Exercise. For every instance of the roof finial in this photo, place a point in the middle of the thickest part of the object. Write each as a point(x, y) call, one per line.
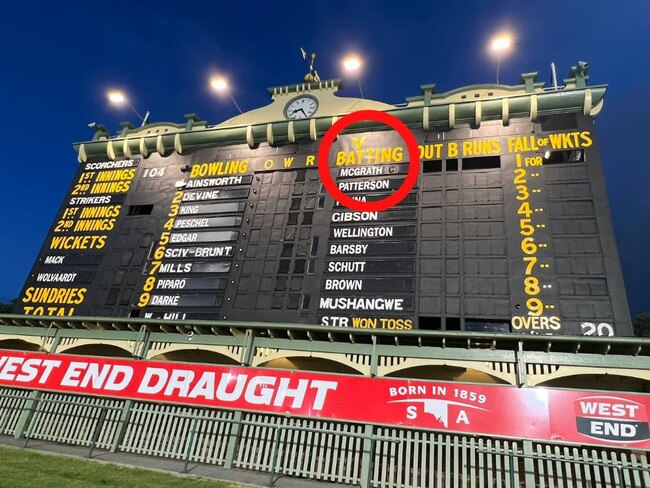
point(313, 74)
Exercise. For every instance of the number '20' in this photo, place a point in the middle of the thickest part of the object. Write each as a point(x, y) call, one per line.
point(602, 329)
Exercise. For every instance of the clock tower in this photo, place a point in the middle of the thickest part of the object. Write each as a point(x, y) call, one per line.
point(305, 101)
point(301, 107)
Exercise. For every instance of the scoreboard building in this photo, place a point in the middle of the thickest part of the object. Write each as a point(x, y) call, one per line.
point(486, 307)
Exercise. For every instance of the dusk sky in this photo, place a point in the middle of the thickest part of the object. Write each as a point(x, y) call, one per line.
point(59, 59)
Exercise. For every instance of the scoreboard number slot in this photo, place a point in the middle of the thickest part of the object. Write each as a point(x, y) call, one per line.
point(539, 307)
point(151, 268)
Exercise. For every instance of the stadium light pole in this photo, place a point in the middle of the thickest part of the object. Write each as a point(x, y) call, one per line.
point(220, 85)
point(117, 97)
point(500, 45)
point(352, 64)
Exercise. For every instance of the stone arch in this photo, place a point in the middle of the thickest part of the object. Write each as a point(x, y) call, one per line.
point(313, 362)
point(98, 349)
point(21, 345)
point(600, 381)
point(181, 352)
point(196, 355)
point(448, 372)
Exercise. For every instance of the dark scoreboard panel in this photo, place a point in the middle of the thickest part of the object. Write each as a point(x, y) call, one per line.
point(507, 229)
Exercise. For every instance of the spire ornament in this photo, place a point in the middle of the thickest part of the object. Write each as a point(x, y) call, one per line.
point(313, 74)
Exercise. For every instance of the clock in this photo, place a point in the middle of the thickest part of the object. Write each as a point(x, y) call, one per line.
point(301, 107)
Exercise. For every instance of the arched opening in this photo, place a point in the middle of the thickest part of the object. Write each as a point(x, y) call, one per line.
point(107, 350)
point(320, 365)
point(195, 356)
point(20, 345)
point(608, 382)
point(446, 373)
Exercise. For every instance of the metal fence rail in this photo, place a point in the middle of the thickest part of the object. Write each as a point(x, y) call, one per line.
point(84, 421)
point(12, 403)
point(434, 460)
point(330, 451)
point(569, 466)
point(343, 452)
point(168, 431)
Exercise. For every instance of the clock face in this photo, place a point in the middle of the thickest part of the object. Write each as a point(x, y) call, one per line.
point(301, 108)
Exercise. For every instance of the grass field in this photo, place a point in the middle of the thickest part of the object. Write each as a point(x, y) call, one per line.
point(22, 468)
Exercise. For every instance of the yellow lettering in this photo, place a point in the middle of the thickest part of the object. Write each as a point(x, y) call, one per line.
point(70, 296)
point(364, 322)
point(219, 168)
point(519, 322)
point(358, 142)
point(78, 242)
point(430, 151)
point(570, 140)
point(115, 175)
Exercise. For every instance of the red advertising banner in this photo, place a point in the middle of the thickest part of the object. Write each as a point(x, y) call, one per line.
point(535, 413)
